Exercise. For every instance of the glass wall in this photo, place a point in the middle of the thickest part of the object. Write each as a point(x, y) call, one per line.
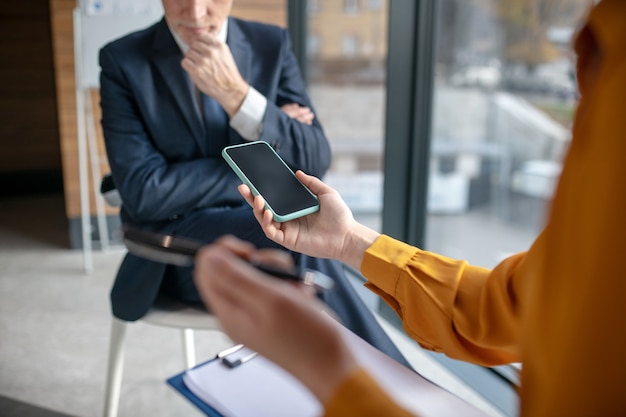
point(504, 96)
point(486, 162)
point(346, 58)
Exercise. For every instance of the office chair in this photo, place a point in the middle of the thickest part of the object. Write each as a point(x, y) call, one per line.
point(164, 312)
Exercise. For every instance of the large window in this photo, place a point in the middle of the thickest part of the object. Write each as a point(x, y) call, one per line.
point(483, 95)
point(504, 94)
point(346, 75)
point(458, 147)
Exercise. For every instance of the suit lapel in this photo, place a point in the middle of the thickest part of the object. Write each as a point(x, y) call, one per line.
point(166, 59)
point(240, 48)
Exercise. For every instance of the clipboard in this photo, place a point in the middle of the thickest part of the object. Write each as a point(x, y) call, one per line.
point(178, 384)
point(250, 388)
point(405, 386)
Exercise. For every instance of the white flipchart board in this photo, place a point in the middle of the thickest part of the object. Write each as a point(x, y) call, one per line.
point(105, 20)
point(97, 22)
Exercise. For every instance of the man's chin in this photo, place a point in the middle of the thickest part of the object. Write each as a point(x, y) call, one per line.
point(191, 34)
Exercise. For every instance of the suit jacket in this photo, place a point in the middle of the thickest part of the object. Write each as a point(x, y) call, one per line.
point(164, 164)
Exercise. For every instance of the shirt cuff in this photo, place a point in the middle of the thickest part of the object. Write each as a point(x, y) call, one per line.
point(248, 121)
point(384, 261)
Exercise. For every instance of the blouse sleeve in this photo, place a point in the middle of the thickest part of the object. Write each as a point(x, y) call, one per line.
point(359, 395)
point(446, 305)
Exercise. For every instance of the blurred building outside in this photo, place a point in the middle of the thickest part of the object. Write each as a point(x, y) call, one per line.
point(502, 108)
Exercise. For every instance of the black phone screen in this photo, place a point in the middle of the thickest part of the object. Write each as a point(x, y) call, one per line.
point(272, 178)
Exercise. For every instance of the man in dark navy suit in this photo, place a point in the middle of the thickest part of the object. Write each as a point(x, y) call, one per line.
point(173, 96)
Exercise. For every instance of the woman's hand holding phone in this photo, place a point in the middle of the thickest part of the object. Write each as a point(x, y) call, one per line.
point(332, 232)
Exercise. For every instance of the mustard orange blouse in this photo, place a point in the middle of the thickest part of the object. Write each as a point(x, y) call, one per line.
point(560, 307)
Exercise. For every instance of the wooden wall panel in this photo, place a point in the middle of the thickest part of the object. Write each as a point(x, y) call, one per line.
point(272, 11)
point(28, 124)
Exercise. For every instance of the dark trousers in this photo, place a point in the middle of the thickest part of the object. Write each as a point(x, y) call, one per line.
point(208, 225)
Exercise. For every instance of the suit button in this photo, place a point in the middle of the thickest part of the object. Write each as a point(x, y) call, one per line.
point(174, 217)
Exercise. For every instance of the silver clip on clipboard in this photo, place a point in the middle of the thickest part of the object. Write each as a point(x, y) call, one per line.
point(232, 362)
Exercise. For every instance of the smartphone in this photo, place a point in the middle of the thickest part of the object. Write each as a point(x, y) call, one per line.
point(259, 167)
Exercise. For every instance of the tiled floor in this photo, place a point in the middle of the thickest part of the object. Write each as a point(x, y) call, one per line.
point(55, 322)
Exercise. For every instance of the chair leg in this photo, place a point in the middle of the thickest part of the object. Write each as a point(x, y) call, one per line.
point(189, 348)
point(115, 368)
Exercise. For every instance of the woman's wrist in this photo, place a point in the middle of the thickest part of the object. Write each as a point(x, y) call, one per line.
point(337, 364)
point(356, 243)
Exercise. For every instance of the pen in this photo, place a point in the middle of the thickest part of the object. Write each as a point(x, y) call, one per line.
point(181, 251)
point(277, 272)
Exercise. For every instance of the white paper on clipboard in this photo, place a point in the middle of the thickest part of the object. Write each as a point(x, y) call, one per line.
point(261, 388)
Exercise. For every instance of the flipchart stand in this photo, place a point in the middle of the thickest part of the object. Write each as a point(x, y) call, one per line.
point(95, 23)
